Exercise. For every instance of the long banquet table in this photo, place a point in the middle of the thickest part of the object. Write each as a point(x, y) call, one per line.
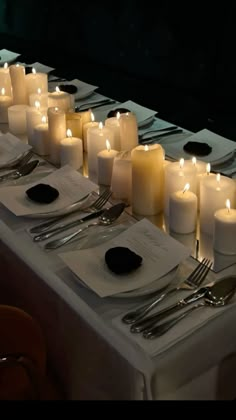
point(93, 356)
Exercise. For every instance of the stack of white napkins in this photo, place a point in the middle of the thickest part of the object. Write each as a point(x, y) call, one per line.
point(11, 148)
point(160, 254)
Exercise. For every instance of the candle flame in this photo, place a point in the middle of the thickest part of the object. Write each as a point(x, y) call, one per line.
point(37, 104)
point(228, 204)
point(100, 125)
point(3, 91)
point(146, 148)
point(118, 115)
point(92, 117)
point(69, 133)
point(181, 163)
point(33, 70)
point(127, 113)
point(57, 89)
point(194, 161)
point(39, 91)
point(56, 108)
point(208, 168)
point(17, 65)
point(5, 65)
point(218, 177)
point(186, 188)
point(44, 119)
point(108, 146)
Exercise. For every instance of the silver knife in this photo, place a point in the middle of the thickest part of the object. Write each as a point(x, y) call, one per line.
point(66, 226)
point(22, 171)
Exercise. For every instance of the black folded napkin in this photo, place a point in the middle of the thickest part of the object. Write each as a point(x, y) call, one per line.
point(198, 149)
point(113, 112)
point(122, 260)
point(68, 88)
point(42, 193)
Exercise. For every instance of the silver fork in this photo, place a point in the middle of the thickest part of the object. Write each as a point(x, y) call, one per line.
point(96, 205)
point(193, 281)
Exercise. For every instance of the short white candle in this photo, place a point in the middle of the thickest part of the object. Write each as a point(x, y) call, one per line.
point(105, 164)
point(121, 180)
point(87, 126)
point(72, 151)
point(41, 139)
point(214, 191)
point(114, 124)
point(18, 82)
point(128, 131)
point(5, 102)
point(183, 211)
point(177, 175)
point(35, 81)
point(60, 99)
point(17, 119)
point(96, 138)
point(40, 97)
point(147, 179)
point(5, 79)
point(56, 132)
point(224, 234)
point(33, 117)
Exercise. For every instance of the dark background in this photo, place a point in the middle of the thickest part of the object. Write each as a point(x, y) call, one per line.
point(175, 57)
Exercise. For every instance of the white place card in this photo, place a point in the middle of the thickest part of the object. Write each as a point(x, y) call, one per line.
point(7, 56)
point(41, 68)
point(160, 252)
point(143, 114)
point(83, 89)
point(72, 186)
point(11, 148)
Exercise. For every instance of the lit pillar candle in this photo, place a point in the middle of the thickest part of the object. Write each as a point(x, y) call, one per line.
point(41, 139)
point(128, 131)
point(87, 126)
point(214, 191)
point(35, 81)
point(177, 175)
point(33, 117)
point(96, 139)
point(121, 180)
point(183, 211)
point(147, 179)
point(56, 132)
point(224, 233)
point(5, 102)
point(114, 124)
point(71, 151)
point(105, 164)
point(18, 82)
point(5, 79)
point(17, 119)
point(62, 100)
point(40, 97)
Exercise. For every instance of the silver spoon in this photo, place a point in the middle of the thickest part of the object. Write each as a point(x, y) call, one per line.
point(209, 300)
point(107, 218)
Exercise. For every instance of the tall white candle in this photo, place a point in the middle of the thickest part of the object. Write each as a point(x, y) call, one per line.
point(147, 179)
point(71, 151)
point(177, 175)
point(17, 119)
point(96, 138)
point(87, 126)
point(128, 131)
point(5, 79)
point(41, 139)
point(121, 180)
point(105, 164)
point(18, 82)
point(214, 191)
point(5, 102)
point(114, 124)
point(183, 211)
point(224, 232)
point(60, 99)
point(40, 97)
point(35, 81)
point(33, 117)
point(56, 132)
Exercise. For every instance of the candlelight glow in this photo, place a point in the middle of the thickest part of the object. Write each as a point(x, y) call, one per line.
point(37, 104)
point(228, 205)
point(186, 188)
point(3, 91)
point(218, 177)
point(44, 119)
point(56, 108)
point(92, 117)
point(146, 148)
point(127, 113)
point(100, 125)
point(181, 163)
point(118, 115)
point(194, 161)
point(57, 89)
point(17, 65)
point(33, 70)
point(69, 133)
point(5, 65)
point(39, 91)
point(208, 168)
point(108, 146)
